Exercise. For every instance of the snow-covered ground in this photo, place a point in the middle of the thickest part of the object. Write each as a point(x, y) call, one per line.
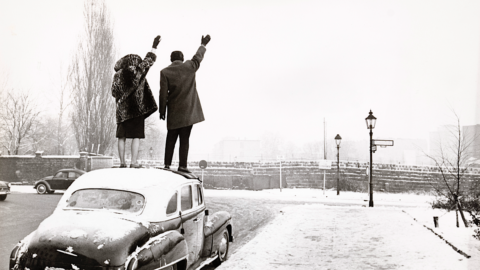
point(415, 208)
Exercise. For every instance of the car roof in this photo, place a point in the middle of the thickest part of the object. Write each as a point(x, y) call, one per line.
point(132, 179)
point(72, 170)
point(157, 185)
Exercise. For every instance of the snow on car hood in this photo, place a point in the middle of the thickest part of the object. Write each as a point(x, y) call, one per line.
point(86, 236)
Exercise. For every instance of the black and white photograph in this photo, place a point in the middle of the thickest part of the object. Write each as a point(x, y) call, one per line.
point(181, 135)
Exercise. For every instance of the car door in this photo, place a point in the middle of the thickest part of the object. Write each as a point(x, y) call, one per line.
point(70, 178)
point(57, 180)
point(189, 223)
point(199, 208)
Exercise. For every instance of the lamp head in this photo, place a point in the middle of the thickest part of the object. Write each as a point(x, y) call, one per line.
point(338, 139)
point(371, 120)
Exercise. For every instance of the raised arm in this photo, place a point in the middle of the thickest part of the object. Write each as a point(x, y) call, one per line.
point(147, 62)
point(198, 57)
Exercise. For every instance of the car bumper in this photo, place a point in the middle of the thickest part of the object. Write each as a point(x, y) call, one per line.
point(4, 191)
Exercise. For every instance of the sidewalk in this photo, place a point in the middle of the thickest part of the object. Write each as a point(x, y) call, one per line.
point(332, 237)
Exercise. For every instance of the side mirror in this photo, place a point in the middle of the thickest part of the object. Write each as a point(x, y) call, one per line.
point(207, 212)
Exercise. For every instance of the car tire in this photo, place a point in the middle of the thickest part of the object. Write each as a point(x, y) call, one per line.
point(42, 189)
point(3, 197)
point(223, 248)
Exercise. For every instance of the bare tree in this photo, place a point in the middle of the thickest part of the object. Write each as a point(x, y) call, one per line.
point(91, 72)
point(62, 132)
point(19, 117)
point(451, 184)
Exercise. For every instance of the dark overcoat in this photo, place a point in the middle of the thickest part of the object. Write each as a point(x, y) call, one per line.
point(178, 92)
point(134, 99)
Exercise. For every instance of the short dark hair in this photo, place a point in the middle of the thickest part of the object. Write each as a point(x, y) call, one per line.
point(176, 55)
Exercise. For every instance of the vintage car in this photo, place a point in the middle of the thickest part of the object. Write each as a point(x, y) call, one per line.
point(4, 190)
point(61, 180)
point(130, 219)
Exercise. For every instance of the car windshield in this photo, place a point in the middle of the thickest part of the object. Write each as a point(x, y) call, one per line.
point(108, 199)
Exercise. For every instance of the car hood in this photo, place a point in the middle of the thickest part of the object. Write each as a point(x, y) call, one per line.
point(3, 184)
point(84, 239)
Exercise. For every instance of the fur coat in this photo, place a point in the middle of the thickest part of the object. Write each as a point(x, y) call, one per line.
point(130, 88)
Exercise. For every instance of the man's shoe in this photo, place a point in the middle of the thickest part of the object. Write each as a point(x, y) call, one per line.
point(183, 169)
point(123, 165)
point(136, 166)
point(167, 167)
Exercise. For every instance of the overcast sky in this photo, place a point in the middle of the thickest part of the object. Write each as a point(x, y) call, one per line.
point(277, 66)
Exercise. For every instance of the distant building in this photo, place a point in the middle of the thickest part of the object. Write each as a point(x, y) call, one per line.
point(472, 139)
point(237, 150)
point(445, 141)
point(404, 151)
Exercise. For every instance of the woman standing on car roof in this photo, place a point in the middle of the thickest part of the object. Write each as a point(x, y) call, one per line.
point(134, 100)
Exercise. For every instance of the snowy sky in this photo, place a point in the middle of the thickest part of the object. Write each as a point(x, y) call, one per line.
point(277, 67)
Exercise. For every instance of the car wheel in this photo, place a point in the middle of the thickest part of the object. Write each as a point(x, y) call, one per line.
point(42, 189)
point(223, 247)
point(3, 197)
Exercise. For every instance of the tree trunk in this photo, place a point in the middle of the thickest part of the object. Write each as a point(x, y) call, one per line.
point(459, 206)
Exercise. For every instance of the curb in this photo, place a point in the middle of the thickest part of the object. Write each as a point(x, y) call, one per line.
point(441, 237)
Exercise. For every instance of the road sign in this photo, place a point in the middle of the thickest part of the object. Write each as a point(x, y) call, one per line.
point(325, 164)
point(202, 164)
point(280, 157)
point(383, 143)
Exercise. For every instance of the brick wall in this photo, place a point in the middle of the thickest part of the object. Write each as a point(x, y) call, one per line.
point(28, 169)
point(306, 174)
point(249, 175)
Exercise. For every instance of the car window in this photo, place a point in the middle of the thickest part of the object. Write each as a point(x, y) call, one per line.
point(71, 174)
point(107, 199)
point(59, 174)
point(195, 196)
point(77, 175)
point(172, 204)
point(186, 202)
point(200, 195)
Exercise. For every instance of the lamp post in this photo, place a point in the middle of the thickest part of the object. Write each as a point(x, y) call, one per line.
point(151, 153)
point(338, 140)
point(371, 120)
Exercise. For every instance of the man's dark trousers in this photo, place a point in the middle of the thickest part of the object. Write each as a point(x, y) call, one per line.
point(172, 135)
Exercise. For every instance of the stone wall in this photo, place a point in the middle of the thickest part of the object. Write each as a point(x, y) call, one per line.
point(249, 175)
point(304, 174)
point(28, 169)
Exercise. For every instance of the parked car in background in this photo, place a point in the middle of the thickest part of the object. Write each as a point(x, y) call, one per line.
point(61, 180)
point(4, 190)
point(133, 219)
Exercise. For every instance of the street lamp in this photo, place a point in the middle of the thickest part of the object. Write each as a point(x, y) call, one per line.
point(371, 121)
point(338, 140)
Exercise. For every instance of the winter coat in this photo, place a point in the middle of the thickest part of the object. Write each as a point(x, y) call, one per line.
point(135, 99)
point(178, 92)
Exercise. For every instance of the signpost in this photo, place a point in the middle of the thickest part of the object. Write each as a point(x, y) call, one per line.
point(324, 165)
point(203, 165)
point(280, 158)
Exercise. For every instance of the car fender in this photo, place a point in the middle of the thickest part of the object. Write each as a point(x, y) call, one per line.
point(18, 251)
point(160, 251)
point(214, 227)
point(42, 182)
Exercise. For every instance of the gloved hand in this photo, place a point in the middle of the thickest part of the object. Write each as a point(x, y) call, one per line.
point(156, 41)
point(205, 40)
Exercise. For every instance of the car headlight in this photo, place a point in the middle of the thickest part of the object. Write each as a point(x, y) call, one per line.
point(9, 185)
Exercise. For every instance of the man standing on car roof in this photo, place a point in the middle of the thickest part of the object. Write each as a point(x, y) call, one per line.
point(178, 95)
